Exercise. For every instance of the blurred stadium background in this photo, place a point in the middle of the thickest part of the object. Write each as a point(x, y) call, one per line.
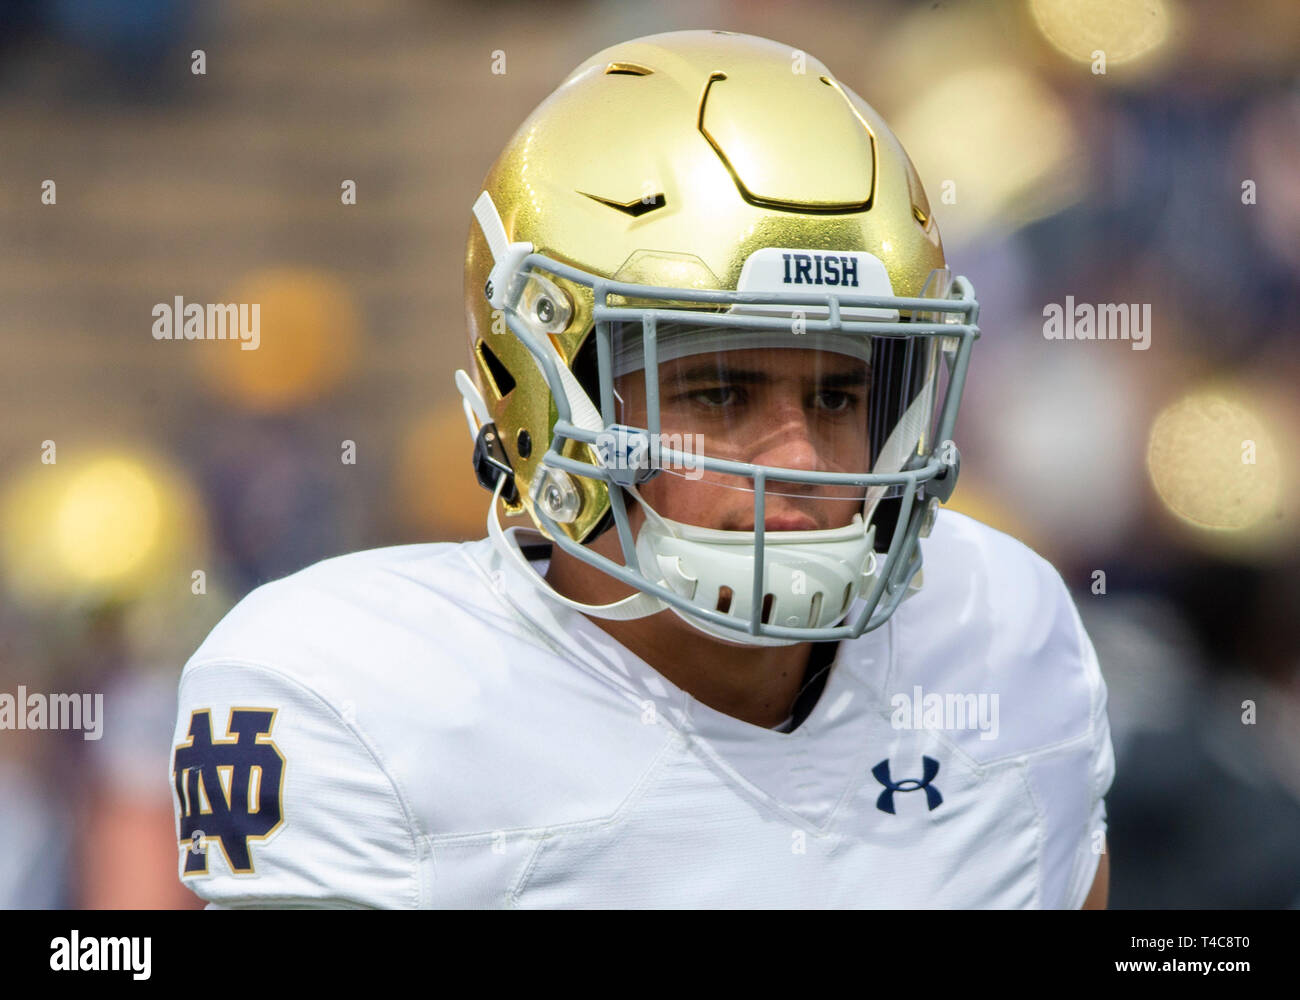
point(225, 186)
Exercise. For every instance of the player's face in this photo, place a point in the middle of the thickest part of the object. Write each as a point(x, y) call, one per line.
point(792, 409)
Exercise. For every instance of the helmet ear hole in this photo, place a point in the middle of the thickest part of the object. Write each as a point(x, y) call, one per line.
point(502, 381)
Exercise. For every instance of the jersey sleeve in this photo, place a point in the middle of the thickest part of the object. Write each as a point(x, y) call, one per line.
point(1100, 769)
point(1101, 772)
point(280, 801)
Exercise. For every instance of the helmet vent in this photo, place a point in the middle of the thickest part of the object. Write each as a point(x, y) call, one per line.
point(635, 207)
point(724, 599)
point(627, 69)
point(502, 381)
point(768, 601)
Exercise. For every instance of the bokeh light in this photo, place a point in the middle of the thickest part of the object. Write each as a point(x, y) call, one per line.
point(1125, 30)
point(1213, 462)
point(997, 149)
point(109, 525)
point(309, 339)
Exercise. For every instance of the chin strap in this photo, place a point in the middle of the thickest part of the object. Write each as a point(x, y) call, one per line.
point(506, 256)
point(639, 605)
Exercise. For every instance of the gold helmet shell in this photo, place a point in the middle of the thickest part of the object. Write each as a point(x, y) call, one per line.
point(668, 160)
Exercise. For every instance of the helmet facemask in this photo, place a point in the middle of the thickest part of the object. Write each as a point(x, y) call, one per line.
point(751, 442)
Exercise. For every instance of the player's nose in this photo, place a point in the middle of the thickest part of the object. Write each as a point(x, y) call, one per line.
point(786, 439)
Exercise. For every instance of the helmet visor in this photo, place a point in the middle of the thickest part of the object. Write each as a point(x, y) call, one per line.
point(798, 412)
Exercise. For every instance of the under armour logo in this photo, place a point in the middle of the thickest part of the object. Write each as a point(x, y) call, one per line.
point(885, 803)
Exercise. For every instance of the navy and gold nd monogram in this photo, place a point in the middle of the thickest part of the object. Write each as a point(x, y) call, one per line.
point(230, 791)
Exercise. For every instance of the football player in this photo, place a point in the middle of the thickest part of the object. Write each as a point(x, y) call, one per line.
point(716, 359)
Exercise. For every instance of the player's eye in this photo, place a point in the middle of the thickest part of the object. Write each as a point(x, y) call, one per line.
point(717, 397)
point(836, 401)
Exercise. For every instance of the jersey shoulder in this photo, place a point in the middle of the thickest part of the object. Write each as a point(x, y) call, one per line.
point(338, 604)
point(994, 617)
point(296, 720)
point(995, 629)
point(339, 722)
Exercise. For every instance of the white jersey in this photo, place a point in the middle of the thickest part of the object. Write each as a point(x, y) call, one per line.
point(419, 726)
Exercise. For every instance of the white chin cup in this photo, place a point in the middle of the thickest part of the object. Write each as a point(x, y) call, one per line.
point(812, 577)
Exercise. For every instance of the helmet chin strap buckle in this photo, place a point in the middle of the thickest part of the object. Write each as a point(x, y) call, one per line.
point(491, 463)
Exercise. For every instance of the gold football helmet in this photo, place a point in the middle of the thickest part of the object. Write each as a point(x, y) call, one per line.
point(700, 252)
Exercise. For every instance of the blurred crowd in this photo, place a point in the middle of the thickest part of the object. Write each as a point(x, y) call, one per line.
point(187, 474)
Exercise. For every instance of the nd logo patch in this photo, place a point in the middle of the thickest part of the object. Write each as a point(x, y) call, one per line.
point(229, 791)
